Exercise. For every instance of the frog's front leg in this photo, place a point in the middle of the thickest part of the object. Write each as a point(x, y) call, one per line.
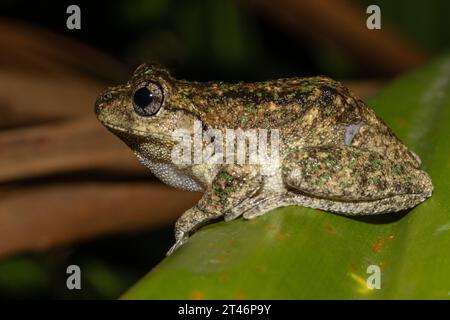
point(232, 185)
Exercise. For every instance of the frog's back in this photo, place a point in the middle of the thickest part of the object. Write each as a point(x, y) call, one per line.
point(267, 104)
point(307, 111)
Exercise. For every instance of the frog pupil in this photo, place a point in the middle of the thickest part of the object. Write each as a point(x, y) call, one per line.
point(142, 98)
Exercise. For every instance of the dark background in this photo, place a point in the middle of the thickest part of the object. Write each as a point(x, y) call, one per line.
point(230, 40)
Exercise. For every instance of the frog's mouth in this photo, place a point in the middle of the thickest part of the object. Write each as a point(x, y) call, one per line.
point(135, 139)
point(122, 132)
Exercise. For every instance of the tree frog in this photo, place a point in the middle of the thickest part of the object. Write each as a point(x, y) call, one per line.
point(335, 154)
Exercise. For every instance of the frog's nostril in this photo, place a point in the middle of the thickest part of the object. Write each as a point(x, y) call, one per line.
point(102, 102)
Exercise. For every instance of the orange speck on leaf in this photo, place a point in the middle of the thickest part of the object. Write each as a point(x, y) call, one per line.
point(330, 229)
point(377, 246)
point(402, 123)
point(197, 295)
point(239, 296)
point(224, 278)
point(261, 268)
point(279, 236)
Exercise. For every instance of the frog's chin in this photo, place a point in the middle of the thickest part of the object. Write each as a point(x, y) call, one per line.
point(170, 174)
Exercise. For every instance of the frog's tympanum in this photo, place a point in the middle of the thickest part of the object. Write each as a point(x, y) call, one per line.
point(335, 153)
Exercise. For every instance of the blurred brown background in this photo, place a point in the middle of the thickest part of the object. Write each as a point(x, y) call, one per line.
point(72, 193)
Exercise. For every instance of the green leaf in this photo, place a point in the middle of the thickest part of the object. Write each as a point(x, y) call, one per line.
point(300, 253)
point(21, 276)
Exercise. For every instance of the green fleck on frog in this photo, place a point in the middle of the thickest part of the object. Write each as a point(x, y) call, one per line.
point(335, 153)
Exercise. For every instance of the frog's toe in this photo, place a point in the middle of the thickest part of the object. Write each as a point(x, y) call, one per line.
point(242, 207)
point(256, 206)
point(262, 209)
point(177, 244)
point(232, 214)
point(180, 235)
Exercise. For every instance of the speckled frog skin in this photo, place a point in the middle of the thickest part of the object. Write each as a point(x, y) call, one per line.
point(336, 154)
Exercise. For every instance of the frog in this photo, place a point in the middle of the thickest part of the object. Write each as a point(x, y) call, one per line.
point(335, 153)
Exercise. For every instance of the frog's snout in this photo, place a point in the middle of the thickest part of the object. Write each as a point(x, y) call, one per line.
point(98, 107)
point(108, 104)
point(103, 101)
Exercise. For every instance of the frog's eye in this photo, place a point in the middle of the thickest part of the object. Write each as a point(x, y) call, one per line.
point(147, 99)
